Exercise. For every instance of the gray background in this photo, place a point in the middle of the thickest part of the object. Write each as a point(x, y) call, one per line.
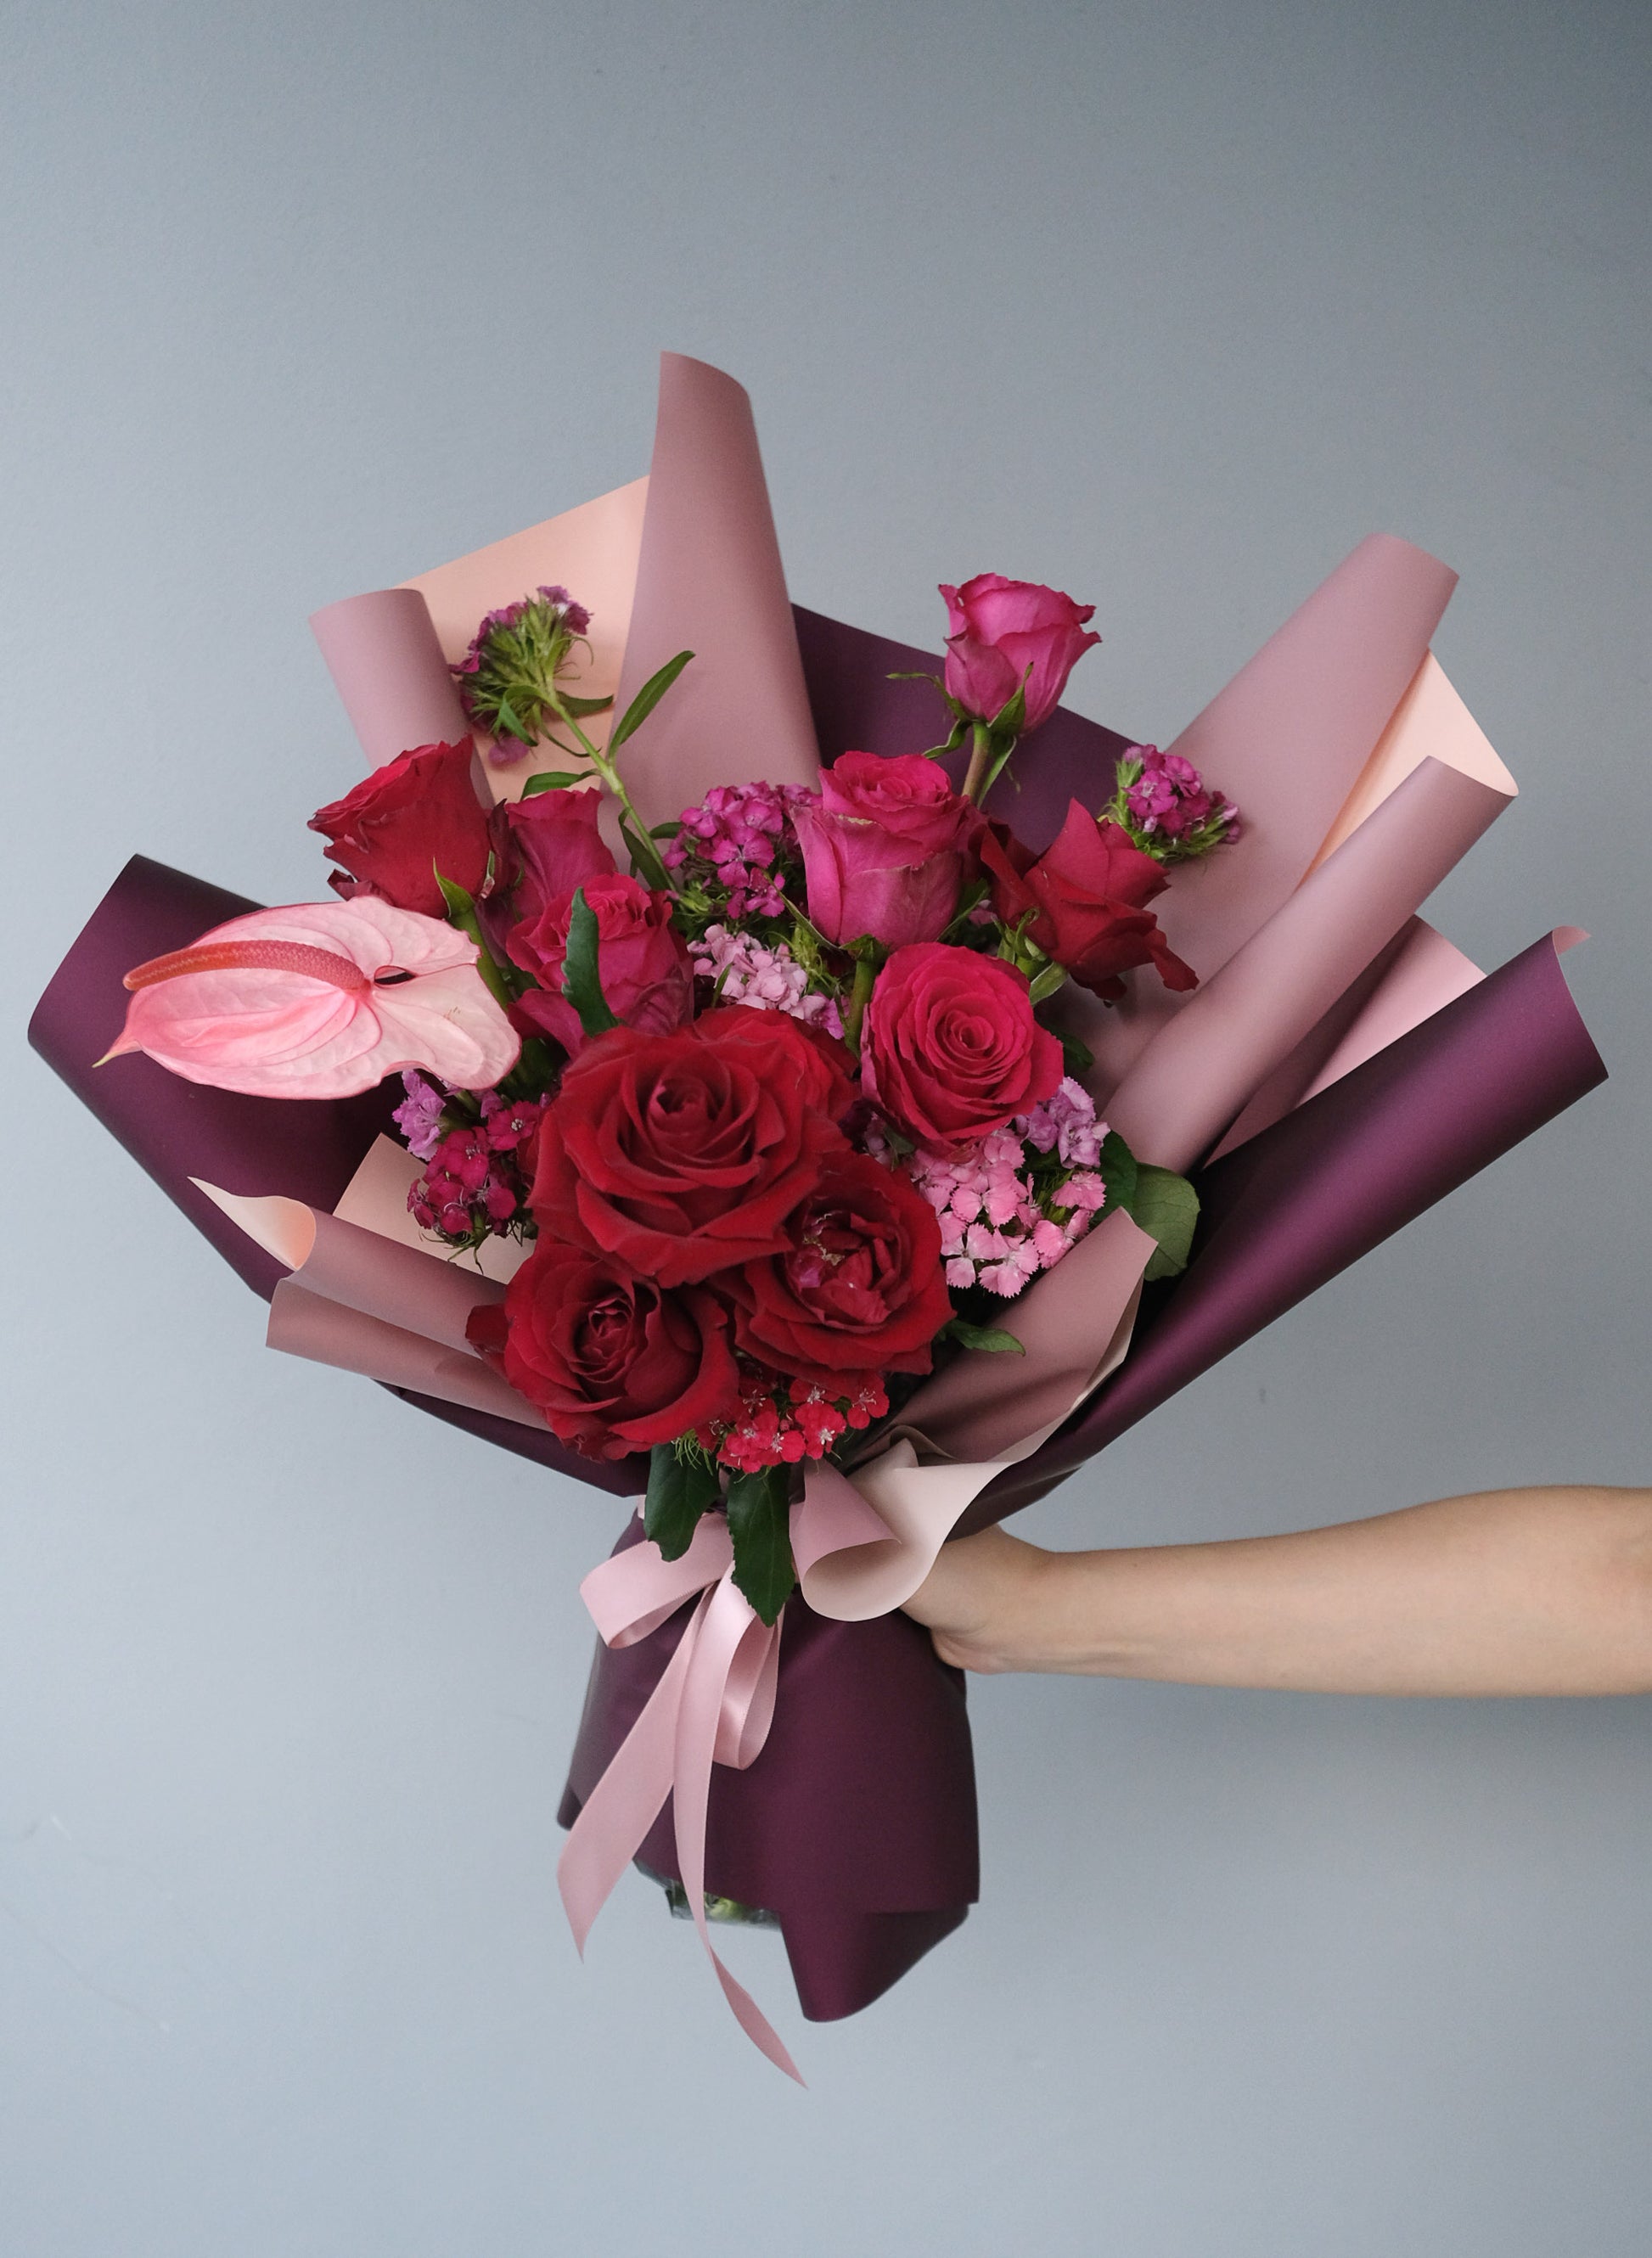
point(1167, 304)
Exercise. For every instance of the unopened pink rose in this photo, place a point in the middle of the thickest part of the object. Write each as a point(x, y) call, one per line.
point(885, 848)
point(997, 629)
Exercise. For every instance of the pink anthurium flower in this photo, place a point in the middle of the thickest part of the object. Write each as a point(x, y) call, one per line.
point(320, 1000)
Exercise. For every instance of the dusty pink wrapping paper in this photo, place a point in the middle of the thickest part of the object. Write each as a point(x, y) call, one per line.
point(1287, 739)
point(1286, 936)
point(391, 672)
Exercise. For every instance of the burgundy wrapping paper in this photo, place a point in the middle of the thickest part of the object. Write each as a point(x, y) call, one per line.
point(857, 1824)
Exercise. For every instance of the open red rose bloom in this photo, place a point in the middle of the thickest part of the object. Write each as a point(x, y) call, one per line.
point(786, 1142)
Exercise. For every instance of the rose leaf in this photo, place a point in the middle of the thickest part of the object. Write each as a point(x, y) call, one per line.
point(679, 1491)
point(759, 1525)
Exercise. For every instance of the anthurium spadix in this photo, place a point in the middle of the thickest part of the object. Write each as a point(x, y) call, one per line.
point(320, 1000)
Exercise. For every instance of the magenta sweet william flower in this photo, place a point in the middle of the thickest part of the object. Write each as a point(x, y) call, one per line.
point(1167, 809)
point(739, 840)
point(419, 1116)
point(320, 999)
point(1003, 634)
point(886, 846)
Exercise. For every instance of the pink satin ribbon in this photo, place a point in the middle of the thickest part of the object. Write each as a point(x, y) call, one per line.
point(714, 1704)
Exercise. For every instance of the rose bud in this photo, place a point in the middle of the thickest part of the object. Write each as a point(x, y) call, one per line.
point(999, 628)
point(545, 847)
point(1089, 892)
point(885, 848)
point(417, 814)
point(950, 1049)
point(642, 961)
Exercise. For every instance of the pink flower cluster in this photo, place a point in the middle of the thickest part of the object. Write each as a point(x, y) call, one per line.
point(477, 1175)
point(1170, 799)
point(780, 1426)
point(1000, 1224)
point(575, 618)
point(768, 979)
point(740, 838)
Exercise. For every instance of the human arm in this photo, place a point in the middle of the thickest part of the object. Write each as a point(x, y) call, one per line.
point(1508, 1592)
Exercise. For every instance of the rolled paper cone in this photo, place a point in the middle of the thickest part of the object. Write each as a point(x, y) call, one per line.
point(1307, 1196)
point(1202, 1068)
point(1287, 740)
point(388, 668)
point(382, 1279)
point(325, 1332)
point(710, 581)
point(1417, 975)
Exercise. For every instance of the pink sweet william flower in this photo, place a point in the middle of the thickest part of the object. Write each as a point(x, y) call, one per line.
point(320, 1000)
point(998, 630)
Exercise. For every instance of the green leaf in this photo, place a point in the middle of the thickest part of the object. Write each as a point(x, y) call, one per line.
point(508, 724)
point(679, 1491)
point(646, 699)
point(665, 830)
point(934, 679)
point(759, 1527)
point(553, 780)
point(1077, 1057)
point(578, 708)
point(1052, 977)
point(461, 907)
point(1166, 1206)
point(1118, 1172)
point(645, 861)
point(989, 1338)
point(582, 978)
point(1012, 717)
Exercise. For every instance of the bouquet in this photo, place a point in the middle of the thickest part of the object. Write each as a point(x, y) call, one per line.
point(829, 1158)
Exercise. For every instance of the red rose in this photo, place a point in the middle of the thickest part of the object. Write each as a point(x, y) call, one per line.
point(684, 1153)
point(417, 814)
point(858, 1290)
point(1090, 892)
point(885, 847)
point(949, 1046)
point(616, 1364)
point(545, 847)
point(646, 973)
point(998, 629)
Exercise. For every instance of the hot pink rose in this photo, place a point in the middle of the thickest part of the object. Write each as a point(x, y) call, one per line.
point(997, 630)
point(885, 847)
point(949, 1047)
point(646, 973)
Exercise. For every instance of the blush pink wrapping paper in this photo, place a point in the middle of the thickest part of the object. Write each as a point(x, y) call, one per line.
point(1333, 723)
point(701, 572)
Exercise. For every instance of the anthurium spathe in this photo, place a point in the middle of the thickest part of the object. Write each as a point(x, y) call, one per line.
point(320, 1000)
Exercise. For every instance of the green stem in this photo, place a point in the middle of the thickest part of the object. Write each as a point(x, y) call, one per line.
point(980, 762)
point(643, 852)
point(859, 997)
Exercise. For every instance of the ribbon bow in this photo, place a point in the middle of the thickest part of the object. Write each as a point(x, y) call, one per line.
point(715, 1698)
